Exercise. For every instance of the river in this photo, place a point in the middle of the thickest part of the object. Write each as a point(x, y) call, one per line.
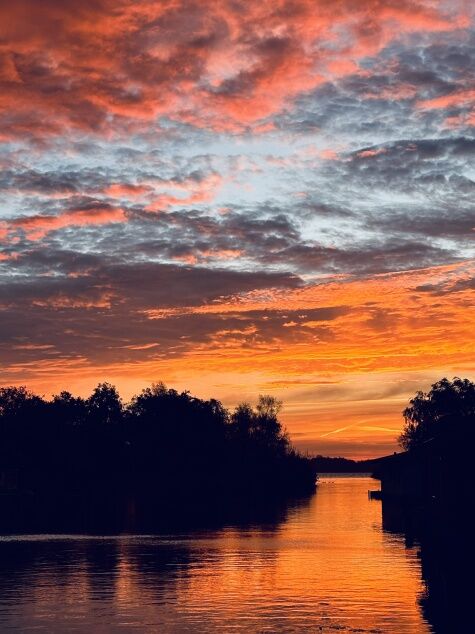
point(326, 565)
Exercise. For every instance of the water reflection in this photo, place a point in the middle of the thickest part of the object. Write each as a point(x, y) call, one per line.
point(444, 549)
point(320, 565)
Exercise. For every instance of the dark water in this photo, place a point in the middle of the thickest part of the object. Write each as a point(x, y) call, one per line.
point(324, 566)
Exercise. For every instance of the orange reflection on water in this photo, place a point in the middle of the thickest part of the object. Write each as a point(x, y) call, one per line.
point(325, 565)
point(329, 565)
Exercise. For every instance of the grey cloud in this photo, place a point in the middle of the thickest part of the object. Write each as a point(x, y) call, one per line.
point(84, 305)
point(62, 304)
point(149, 284)
point(446, 288)
point(377, 256)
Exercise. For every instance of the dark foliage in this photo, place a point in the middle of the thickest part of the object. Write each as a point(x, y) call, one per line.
point(163, 445)
point(448, 404)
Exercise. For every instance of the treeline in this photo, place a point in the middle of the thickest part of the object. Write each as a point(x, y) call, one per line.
point(330, 464)
point(163, 443)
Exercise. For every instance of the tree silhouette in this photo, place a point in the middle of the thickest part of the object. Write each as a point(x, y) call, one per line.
point(164, 444)
point(268, 406)
point(261, 426)
point(69, 409)
point(446, 404)
point(104, 405)
point(15, 400)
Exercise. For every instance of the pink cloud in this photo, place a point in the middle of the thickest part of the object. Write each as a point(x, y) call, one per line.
point(460, 98)
point(371, 152)
point(126, 190)
point(36, 227)
point(196, 192)
point(111, 67)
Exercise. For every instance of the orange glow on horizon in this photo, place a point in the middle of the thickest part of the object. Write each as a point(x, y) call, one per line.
point(356, 371)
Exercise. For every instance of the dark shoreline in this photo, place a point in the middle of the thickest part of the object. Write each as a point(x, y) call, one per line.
point(29, 514)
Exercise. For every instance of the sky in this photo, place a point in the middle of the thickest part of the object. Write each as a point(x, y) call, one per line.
point(240, 198)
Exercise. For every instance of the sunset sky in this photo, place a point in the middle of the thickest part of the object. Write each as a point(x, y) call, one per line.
point(240, 198)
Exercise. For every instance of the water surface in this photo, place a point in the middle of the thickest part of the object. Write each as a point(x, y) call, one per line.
point(325, 566)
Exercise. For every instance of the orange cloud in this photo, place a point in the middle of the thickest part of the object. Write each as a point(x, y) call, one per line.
point(36, 227)
point(356, 369)
point(208, 254)
point(392, 322)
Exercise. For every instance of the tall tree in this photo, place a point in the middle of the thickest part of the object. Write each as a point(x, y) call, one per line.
point(447, 403)
point(104, 405)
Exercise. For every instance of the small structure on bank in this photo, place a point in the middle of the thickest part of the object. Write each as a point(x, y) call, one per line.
point(439, 471)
